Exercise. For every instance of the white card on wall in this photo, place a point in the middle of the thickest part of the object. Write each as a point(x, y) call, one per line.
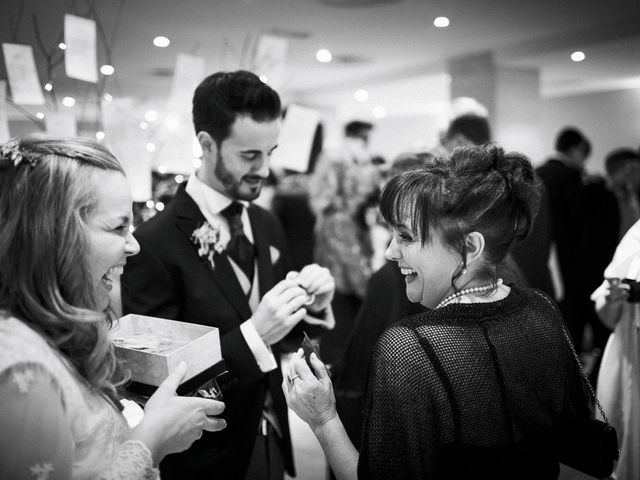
point(22, 74)
point(296, 138)
point(80, 56)
point(4, 114)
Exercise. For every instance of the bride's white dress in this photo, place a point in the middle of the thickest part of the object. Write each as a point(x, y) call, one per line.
point(52, 425)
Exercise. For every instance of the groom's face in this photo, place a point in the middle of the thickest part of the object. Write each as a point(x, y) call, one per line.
point(242, 159)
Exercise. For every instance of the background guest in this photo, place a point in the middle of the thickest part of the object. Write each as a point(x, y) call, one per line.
point(619, 377)
point(343, 181)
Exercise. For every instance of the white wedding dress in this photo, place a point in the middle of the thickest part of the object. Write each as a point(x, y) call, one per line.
point(52, 426)
point(619, 375)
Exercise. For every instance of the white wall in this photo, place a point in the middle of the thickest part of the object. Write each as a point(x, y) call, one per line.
point(609, 119)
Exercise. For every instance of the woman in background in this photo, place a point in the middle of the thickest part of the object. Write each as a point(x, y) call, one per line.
point(480, 384)
point(65, 217)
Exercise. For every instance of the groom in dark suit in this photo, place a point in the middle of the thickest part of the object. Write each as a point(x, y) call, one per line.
point(213, 258)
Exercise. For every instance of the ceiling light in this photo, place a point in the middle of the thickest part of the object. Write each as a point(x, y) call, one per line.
point(162, 169)
point(107, 97)
point(441, 22)
point(144, 125)
point(99, 135)
point(264, 79)
point(151, 147)
point(379, 111)
point(107, 69)
point(40, 115)
point(159, 206)
point(323, 55)
point(361, 95)
point(68, 101)
point(62, 46)
point(197, 162)
point(48, 86)
point(150, 204)
point(150, 115)
point(161, 41)
point(179, 178)
point(578, 56)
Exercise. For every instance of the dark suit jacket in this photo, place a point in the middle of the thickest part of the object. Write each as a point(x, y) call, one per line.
point(168, 279)
point(567, 209)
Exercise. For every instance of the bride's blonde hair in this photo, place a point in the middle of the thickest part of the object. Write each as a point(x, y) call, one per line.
point(47, 188)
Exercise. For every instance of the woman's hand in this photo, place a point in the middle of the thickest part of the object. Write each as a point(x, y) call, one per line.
point(310, 396)
point(172, 423)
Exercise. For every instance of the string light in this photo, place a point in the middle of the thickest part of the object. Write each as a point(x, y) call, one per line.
point(107, 70)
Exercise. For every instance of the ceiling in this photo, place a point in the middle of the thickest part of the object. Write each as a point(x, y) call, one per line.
point(389, 46)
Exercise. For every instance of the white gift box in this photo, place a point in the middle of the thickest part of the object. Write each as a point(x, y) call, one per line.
point(135, 336)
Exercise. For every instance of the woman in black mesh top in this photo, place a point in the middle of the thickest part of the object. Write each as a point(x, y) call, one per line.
point(479, 385)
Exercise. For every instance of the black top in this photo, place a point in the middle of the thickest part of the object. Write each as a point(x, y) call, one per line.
point(471, 391)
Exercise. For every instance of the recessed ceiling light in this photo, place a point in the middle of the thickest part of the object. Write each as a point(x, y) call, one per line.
point(48, 86)
point(162, 169)
point(40, 115)
point(150, 204)
point(441, 22)
point(150, 115)
point(107, 69)
point(151, 147)
point(144, 125)
point(323, 55)
point(264, 79)
point(99, 135)
point(161, 41)
point(361, 95)
point(379, 111)
point(197, 162)
point(68, 101)
point(179, 178)
point(578, 56)
point(62, 46)
point(159, 206)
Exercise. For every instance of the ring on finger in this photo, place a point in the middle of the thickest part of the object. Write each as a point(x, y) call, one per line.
point(290, 379)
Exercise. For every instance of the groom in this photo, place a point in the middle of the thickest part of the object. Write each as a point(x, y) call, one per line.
point(214, 258)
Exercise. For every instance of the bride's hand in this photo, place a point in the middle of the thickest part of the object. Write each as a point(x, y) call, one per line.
point(172, 423)
point(309, 396)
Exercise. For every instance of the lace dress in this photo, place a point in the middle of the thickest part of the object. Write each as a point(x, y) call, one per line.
point(52, 426)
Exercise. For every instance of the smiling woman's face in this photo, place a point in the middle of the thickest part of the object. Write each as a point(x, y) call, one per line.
point(427, 268)
point(110, 240)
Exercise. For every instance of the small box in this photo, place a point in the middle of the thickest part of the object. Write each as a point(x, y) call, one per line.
point(165, 343)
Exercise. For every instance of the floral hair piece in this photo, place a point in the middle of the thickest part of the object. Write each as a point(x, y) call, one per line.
point(11, 151)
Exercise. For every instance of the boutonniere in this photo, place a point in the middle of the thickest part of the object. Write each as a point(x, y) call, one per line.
point(210, 239)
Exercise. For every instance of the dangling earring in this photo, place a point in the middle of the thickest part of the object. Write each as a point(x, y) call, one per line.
point(462, 265)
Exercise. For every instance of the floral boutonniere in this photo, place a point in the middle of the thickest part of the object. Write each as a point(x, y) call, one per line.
point(210, 239)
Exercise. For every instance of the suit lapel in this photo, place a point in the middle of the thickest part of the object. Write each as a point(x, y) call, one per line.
point(188, 218)
point(263, 254)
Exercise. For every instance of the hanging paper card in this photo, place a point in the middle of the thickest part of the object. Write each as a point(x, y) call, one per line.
point(80, 57)
point(22, 73)
point(296, 139)
point(124, 138)
point(61, 124)
point(4, 115)
point(188, 73)
point(270, 60)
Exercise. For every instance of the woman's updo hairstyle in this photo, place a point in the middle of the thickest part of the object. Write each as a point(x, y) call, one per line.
point(480, 188)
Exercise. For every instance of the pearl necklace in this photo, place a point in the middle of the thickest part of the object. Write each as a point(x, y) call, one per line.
point(466, 291)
